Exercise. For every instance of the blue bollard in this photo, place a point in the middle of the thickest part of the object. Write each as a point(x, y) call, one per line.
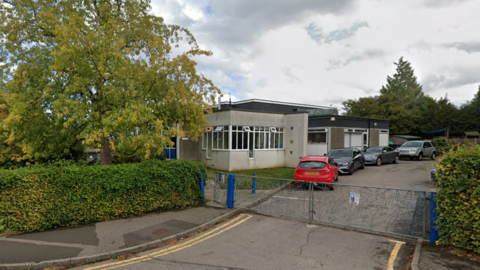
point(433, 218)
point(231, 191)
point(202, 186)
point(254, 184)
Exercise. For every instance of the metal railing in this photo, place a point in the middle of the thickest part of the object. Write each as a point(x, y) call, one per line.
point(387, 210)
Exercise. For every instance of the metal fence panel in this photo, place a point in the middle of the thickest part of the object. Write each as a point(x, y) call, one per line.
point(392, 211)
point(220, 183)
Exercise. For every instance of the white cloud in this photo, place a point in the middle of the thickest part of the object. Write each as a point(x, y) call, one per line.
point(324, 52)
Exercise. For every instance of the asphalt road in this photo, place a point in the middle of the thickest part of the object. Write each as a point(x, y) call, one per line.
point(259, 242)
point(407, 174)
point(254, 241)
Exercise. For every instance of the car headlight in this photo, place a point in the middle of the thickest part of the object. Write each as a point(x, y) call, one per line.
point(343, 164)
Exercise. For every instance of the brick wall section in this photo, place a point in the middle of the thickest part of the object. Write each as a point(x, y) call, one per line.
point(374, 137)
point(337, 138)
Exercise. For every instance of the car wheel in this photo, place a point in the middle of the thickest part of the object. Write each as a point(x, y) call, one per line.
point(363, 165)
point(350, 170)
point(433, 156)
point(397, 159)
point(379, 161)
point(330, 188)
point(420, 156)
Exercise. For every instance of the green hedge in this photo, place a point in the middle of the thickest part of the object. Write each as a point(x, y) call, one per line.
point(458, 200)
point(442, 145)
point(38, 199)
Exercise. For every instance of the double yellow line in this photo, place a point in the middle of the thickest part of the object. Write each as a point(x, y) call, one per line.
point(393, 255)
point(225, 227)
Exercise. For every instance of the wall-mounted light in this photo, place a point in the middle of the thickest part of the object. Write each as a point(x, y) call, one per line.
point(332, 119)
point(374, 124)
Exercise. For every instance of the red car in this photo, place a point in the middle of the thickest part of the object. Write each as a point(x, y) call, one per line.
point(317, 169)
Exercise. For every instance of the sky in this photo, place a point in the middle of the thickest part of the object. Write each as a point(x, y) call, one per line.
point(323, 52)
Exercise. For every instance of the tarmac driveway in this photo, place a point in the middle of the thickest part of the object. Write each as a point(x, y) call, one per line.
point(258, 242)
point(407, 174)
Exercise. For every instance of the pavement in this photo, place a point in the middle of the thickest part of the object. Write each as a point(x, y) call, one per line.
point(70, 247)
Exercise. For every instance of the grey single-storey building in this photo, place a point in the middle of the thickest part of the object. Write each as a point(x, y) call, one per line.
point(255, 134)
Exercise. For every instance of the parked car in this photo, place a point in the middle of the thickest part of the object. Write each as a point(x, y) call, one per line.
point(417, 150)
point(348, 159)
point(320, 170)
point(378, 155)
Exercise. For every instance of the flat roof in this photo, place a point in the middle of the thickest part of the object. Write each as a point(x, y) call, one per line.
point(275, 102)
point(472, 133)
point(406, 137)
point(346, 117)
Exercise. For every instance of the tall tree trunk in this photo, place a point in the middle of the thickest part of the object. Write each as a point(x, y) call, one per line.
point(106, 153)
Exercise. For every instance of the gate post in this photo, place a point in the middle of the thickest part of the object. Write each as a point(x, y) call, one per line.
point(202, 186)
point(230, 191)
point(310, 201)
point(433, 218)
point(254, 183)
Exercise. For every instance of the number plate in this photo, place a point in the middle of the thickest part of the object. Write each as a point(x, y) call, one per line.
point(312, 173)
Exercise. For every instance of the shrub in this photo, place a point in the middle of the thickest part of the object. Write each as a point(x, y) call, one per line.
point(40, 198)
point(442, 145)
point(458, 200)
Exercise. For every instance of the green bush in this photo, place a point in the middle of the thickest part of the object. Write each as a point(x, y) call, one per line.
point(40, 198)
point(458, 200)
point(442, 145)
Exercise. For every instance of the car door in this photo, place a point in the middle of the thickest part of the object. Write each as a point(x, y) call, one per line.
point(427, 149)
point(389, 154)
point(357, 158)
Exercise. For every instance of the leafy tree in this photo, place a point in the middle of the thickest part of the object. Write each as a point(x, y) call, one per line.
point(98, 74)
point(469, 115)
point(439, 114)
point(363, 107)
point(401, 99)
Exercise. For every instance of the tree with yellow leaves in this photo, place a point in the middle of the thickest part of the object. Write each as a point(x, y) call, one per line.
point(101, 74)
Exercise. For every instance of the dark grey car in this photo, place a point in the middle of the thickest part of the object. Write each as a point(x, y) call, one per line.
point(379, 155)
point(348, 159)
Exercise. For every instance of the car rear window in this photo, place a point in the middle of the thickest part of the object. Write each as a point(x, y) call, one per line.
point(373, 150)
point(312, 165)
point(339, 153)
point(412, 144)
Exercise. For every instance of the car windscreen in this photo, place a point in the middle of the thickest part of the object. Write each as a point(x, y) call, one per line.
point(339, 153)
point(373, 150)
point(412, 144)
point(312, 165)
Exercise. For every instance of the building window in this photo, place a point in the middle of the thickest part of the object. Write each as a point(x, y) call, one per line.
point(268, 138)
point(220, 138)
point(207, 134)
point(317, 137)
point(240, 137)
point(216, 138)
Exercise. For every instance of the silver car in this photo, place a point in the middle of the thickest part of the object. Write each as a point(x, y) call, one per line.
point(417, 150)
point(379, 155)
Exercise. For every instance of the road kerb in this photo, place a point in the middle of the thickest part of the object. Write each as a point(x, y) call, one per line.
point(416, 254)
point(75, 261)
